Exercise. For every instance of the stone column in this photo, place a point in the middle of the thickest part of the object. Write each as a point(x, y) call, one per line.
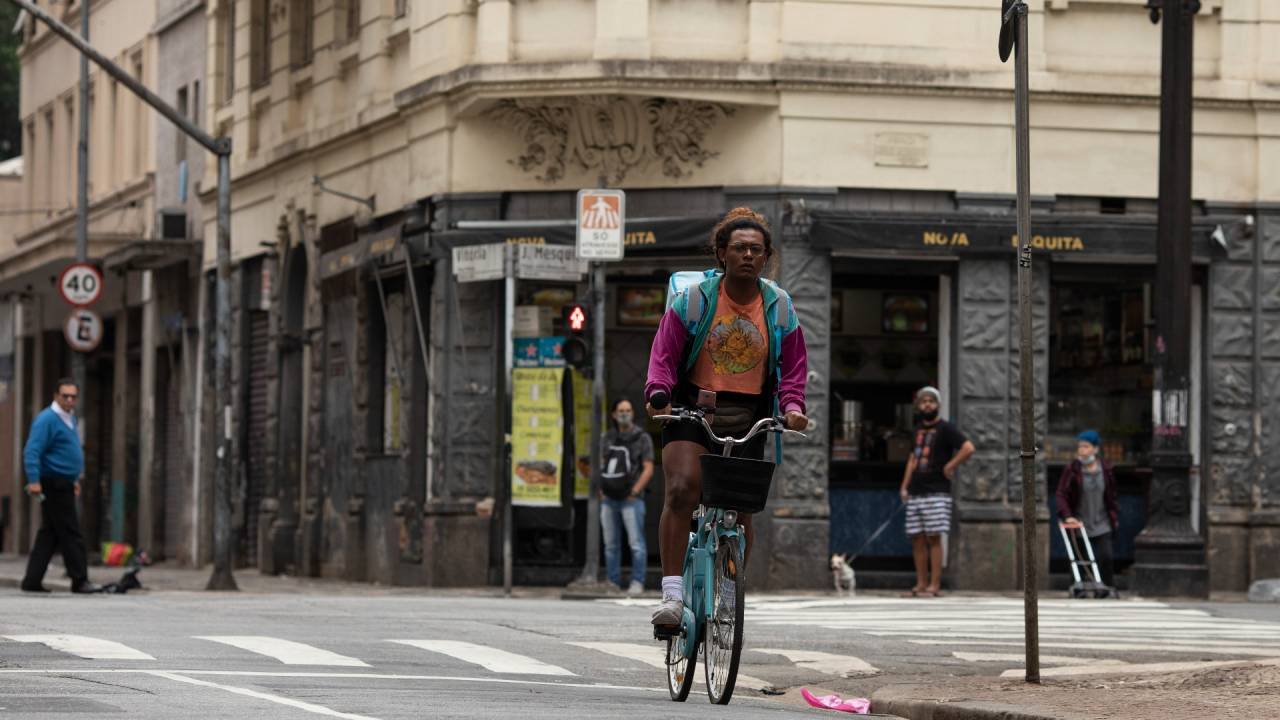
point(988, 490)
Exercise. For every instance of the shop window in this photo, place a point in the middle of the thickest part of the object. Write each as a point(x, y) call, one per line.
point(387, 372)
point(1100, 371)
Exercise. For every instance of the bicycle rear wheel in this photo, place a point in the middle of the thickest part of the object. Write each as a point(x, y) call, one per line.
point(722, 644)
point(680, 670)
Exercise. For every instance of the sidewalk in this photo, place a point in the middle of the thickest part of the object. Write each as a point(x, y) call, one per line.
point(1228, 691)
point(167, 577)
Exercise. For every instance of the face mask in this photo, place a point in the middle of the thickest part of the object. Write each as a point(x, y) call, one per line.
point(1088, 459)
point(927, 416)
point(624, 419)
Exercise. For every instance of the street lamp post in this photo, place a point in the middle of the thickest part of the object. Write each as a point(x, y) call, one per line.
point(221, 579)
point(1170, 555)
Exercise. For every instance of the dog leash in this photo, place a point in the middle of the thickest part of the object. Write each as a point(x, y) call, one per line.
point(876, 534)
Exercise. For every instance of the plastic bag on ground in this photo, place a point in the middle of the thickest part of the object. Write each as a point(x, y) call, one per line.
point(857, 706)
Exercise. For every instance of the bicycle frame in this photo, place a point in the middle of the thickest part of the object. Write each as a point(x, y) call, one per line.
point(715, 526)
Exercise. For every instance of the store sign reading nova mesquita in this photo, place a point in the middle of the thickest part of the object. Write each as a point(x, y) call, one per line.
point(960, 239)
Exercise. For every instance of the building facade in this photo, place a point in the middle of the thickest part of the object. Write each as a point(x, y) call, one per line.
point(371, 137)
point(122, 493)
point(878, 139)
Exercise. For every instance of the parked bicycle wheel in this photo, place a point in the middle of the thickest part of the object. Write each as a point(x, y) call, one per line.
point(722, 643)
point(680, 670)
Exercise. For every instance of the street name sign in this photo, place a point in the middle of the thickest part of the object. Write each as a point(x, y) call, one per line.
point(475, 263)
point(548, 262)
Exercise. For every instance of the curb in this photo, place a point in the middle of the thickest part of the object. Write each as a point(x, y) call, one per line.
point(901, 701)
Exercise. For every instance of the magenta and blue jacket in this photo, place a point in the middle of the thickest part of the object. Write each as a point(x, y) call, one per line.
point(680, 339)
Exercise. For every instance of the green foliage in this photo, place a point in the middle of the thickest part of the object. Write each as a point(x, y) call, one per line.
point(10, 122)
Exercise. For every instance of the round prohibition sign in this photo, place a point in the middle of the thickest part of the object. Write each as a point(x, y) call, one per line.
point(83, 330)
point(80, 284)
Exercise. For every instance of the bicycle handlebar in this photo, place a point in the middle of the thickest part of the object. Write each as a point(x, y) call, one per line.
point(769, 424)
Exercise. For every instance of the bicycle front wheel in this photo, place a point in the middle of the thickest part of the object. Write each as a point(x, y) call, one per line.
point(680, 670)
point(722, 645)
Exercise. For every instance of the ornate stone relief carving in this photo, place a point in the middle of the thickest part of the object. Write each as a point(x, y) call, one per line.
point(610, 134)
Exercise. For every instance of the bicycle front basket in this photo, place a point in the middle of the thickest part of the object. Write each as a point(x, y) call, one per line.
point(735, 483)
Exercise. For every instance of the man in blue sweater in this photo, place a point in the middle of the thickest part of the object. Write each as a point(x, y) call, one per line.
point(53, 461)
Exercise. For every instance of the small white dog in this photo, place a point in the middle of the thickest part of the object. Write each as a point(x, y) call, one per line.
point(842, 575)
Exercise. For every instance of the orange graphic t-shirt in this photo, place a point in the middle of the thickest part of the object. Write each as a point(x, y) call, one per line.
point(733, 359)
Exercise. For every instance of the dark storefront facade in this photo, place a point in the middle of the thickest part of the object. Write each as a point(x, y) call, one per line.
point(939, 289)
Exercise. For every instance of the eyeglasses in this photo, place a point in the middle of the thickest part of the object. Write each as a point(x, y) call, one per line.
point(743, 248)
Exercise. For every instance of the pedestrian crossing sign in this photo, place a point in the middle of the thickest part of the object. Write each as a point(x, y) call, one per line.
point(601, 216)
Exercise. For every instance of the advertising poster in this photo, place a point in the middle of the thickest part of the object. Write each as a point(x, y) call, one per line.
point(537, 436)
point(581, 435)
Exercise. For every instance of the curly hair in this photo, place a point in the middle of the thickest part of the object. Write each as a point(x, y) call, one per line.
point(740, 218)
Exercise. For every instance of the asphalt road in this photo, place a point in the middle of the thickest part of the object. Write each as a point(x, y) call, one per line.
point(403, 654)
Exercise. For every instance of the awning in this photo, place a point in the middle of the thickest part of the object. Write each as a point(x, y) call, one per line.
point(1065, 237)
point(645, 237)
point(152, 254)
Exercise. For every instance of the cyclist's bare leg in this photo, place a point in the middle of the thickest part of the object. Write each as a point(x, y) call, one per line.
point(682, 472)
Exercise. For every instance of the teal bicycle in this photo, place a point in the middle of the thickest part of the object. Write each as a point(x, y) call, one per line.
point(713, 563)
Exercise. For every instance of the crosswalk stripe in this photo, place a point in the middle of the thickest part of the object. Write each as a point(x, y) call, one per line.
point(286, 651)
point(841, 665)
point(655, 656)
point(493, 659)
point(1147, 637)
point(927, 627)
point(1134, 647)
point(90, 648)
point(1044, 659)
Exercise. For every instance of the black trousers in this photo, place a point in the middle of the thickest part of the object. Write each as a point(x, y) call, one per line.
point(59, 529)
point(1102, 553)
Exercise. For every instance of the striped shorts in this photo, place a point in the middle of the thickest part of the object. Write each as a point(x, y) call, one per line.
point(929, 514)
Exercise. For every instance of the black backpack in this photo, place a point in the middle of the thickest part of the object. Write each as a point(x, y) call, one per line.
point(617, 469)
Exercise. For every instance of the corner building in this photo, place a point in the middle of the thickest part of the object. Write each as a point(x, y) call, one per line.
point(878, 138)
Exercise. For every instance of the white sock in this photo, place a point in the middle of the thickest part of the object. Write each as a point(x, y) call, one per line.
point(673, 587)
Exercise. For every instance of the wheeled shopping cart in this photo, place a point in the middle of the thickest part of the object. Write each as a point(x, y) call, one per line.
point(1084, 567)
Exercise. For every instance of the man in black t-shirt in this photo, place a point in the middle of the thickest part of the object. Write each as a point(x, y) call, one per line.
point(939, 449)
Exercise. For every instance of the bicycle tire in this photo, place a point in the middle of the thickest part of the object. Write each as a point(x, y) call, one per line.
point(680, 672)
point(722, 638)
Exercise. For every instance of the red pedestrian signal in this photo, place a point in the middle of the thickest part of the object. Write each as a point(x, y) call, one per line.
point(576, 318)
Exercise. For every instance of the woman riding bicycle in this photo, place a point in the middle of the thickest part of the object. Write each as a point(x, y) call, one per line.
point(739, 338)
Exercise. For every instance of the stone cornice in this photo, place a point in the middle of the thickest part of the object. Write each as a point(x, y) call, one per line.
point(765, 79)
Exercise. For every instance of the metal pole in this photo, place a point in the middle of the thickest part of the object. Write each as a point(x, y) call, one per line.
point(221, 579)
point(1025, 357)
point(82, 192)
point(591, 568)
point(509, 350)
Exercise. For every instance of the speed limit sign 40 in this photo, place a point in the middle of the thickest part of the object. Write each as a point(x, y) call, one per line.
point(80, 284)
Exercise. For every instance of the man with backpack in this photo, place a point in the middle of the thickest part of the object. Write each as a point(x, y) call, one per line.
point(735, 337)
point(625, 470)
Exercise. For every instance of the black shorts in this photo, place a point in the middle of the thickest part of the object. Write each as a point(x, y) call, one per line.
point(695, 433)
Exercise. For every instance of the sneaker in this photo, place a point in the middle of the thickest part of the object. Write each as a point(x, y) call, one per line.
point(636, 589)
point(669, 613)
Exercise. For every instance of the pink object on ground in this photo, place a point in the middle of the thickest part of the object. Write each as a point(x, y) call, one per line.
point(858, 706)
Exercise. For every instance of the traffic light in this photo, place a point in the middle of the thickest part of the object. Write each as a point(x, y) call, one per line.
point(575, 318)
point(576, 350)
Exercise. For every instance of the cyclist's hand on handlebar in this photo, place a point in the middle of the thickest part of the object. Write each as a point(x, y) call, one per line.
point(796, 421)
point(659, 404)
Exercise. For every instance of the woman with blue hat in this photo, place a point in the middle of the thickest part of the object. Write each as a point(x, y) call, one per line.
point(1086, 499)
